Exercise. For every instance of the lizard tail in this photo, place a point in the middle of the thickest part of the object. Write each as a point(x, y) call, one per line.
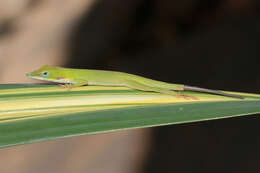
point(191, 88)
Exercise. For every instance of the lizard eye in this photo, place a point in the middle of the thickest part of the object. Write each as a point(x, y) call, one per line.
point(45, 74)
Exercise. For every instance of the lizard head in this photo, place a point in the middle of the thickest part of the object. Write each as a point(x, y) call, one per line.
point(48, 73)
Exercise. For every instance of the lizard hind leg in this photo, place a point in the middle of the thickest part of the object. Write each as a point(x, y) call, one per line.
point(186, 96)
point(142, 87)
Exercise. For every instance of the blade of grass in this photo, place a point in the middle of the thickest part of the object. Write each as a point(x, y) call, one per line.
point(31, 113)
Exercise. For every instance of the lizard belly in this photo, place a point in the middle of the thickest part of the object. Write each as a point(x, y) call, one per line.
point(104, 84)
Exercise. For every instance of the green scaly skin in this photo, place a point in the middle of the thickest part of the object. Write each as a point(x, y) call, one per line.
point(78, 77)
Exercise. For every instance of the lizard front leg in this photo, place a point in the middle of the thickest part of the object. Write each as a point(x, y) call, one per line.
point(69, 86)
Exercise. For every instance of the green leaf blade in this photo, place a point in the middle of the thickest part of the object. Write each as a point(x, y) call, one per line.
point(36, 113)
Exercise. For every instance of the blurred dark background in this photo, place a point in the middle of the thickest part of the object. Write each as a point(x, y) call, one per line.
point(211, 44)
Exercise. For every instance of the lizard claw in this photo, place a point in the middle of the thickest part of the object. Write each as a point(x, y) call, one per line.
point(187, 97)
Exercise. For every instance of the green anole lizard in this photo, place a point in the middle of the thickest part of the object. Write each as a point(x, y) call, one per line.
point(78, 77)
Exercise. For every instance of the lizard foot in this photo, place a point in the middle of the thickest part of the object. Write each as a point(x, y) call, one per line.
point(68, 86)
point(186, 97)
